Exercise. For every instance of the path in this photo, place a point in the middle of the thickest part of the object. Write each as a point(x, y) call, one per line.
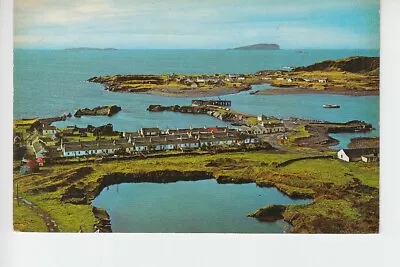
point(50, 223)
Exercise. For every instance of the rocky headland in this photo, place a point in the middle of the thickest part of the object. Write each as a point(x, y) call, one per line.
point(176, 85)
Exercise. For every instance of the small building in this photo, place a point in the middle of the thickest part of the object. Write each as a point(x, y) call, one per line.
point(150, 131)
point(49, 130)
point(141, 146)
point(250, 139)
point(357, 154)
point(258, 129)
point(217, 129)
point(267, 128)
point(369, 158)
point(189, 143)
point(24, 169)
point(261, 117)
point(92, 148)
point(40, 161)
point(277, 127)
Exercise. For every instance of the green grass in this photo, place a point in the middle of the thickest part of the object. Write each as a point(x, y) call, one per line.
point(309, 178)
point(301, 132)
point(26, 220)
point(25, 122)
point(336, 80)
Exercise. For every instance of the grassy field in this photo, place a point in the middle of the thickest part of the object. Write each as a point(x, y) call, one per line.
point(26, 220)
point(336, 80)
point(339, 189)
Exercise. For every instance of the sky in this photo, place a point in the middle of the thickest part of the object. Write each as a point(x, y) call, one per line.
point(196, 24)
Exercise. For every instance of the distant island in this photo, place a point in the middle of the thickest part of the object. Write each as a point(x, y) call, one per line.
point(87, 48)
point(258, 47)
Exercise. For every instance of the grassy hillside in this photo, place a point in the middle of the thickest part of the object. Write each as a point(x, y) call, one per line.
point(358, 64)
point(345, 194)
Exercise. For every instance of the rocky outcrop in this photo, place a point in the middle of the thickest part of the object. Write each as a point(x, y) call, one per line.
point(223, 115)
point(270, 213)
point(229, 180)
point(349, 127)
point(98, 111)
point(351, 64)
point(107, 129)
point(103, 224)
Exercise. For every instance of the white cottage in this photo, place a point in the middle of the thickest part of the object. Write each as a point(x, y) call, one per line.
point(49, 130)
point(359, 154)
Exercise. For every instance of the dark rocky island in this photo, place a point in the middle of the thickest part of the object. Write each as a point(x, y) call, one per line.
point(258, 47)
point(98, 111)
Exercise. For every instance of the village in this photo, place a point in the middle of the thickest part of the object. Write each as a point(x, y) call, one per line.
point(37, 144)
point(45, 143)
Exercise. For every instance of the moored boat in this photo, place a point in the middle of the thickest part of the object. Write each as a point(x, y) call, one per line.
point(330, 106)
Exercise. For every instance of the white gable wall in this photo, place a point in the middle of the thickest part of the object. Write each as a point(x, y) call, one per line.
point(342, 155)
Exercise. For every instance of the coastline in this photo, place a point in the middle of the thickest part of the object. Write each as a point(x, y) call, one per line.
point(296, 90)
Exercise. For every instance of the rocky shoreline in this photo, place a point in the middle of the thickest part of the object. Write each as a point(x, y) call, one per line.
point(319, 133)
point(231, 116)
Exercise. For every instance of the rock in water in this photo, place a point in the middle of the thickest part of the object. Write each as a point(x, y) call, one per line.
point(98, 111)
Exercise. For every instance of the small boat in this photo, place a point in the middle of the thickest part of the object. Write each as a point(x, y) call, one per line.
point(331, 106)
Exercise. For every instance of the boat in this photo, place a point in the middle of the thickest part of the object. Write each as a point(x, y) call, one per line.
point(330, 106)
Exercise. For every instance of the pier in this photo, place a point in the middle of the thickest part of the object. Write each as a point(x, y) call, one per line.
point(218, 102)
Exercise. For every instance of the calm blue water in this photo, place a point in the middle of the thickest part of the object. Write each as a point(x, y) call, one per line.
point(49, 83)
point(190, 207)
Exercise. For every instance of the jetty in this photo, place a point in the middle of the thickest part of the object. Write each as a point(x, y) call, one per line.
point(213, 102)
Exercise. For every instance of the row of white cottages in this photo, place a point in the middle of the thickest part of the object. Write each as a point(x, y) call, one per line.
point(264, 128)
point(78, 149)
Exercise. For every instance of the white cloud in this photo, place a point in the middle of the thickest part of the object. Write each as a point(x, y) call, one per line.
point(185, 23)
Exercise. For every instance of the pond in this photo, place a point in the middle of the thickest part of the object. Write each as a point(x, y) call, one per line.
point(190, 207)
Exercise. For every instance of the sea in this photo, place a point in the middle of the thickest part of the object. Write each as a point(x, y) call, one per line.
point(49, 83)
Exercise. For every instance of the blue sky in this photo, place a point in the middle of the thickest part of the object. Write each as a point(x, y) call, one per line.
point(210, 24)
